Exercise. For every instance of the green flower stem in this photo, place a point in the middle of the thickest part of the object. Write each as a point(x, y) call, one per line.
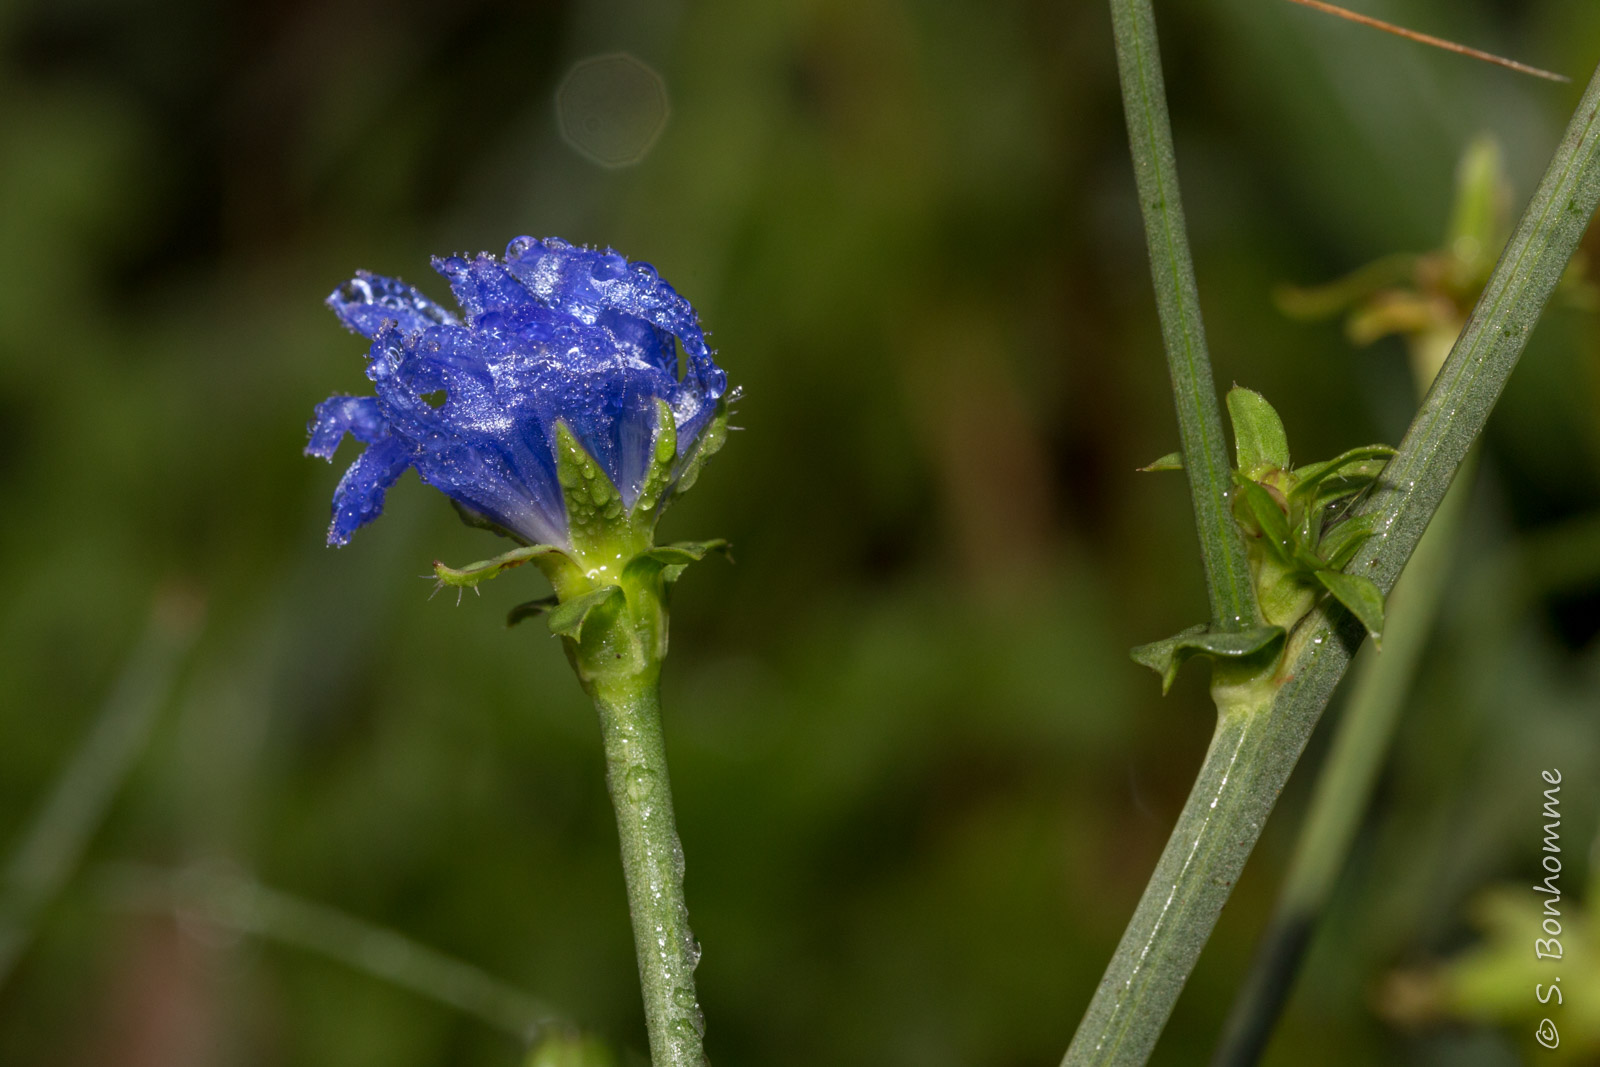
point(1205, 450)
point(1248, 765)
point(1344, 786)
point(652, 862)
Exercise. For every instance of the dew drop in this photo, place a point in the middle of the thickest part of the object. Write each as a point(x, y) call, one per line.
point(641, 781)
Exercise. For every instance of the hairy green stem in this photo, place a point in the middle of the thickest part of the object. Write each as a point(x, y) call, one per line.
point(1205, 450)
point(1246, 770)
point(652, 862)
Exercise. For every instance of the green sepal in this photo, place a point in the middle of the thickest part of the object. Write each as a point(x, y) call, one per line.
point(567, 618)
point(1339, 544)
point(594, 505)
point(670, 560)
point(1356, 463)
point(712, 438)
point(1260, 443)
point(663, 457)
point(1172, 461)
point(470, 576)
point(1166, 656)
point(530, 608)
point(1360, 595)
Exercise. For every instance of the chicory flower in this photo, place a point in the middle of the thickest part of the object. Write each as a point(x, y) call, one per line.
point(561, 351)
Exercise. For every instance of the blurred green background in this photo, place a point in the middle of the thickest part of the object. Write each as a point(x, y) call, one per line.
point(920, 783)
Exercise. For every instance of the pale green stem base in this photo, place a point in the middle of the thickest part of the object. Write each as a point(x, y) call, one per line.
point(652, 862)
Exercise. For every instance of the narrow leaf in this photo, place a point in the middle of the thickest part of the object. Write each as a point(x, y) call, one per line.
point(1341, 542)
point(671, 559)
point(1356, 462)
point(1267, 517)
point(1260, 442)
point(1360, 595)
point(1167, 655)
point(1172, 461)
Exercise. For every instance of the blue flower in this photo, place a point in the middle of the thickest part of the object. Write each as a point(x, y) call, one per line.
point(554, 336)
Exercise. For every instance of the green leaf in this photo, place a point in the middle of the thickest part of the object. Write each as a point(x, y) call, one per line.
point(1166, 656)
point(1266, 516)
point(1360, 595)
point(1260, 442)
point(1358, 462)
point(529, 608)
point(1341, 542)
point(568, 617)
point(1172, 461)
point(1354, 480)
point(671, 559)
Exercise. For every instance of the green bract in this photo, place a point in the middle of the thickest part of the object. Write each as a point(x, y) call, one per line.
point(613, 572)
point(1299, 537)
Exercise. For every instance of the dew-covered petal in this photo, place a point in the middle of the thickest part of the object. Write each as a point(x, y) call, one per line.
point(367, 301)
point(359, 497)
point(482, 286)
point(587, 283)
point(359, 416)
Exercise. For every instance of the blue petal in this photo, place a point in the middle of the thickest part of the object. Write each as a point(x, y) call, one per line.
point(359, 498)
point(367, 301)
point(482, 286)
point(336, 416)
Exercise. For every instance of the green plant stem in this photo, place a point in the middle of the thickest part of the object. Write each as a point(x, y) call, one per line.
point(1345, 783)
point(1205, 451)
point(236, 903)
point(1245, 770)
point(652, 862)
point(55, 841)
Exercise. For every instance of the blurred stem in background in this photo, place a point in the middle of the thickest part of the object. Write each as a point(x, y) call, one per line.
point(236, 903)
point(53, 845)
point(1253, 753)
